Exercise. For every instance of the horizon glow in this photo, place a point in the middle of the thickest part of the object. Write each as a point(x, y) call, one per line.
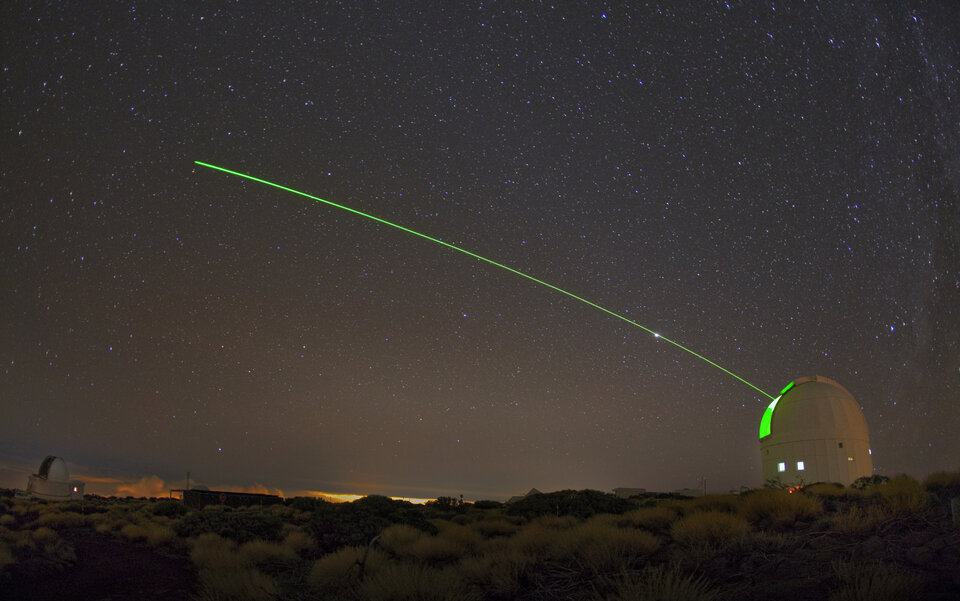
point(491, 262)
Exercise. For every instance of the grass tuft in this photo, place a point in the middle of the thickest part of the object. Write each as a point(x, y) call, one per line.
point(875, 581)
point(709, 529)
point(779, 507)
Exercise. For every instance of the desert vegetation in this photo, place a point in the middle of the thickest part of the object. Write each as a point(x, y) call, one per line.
point(884, 539)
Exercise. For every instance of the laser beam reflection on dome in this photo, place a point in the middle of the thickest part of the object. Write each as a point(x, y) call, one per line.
point(656, 335)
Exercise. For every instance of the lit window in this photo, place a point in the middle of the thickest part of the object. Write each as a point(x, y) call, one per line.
point(799, 466)
point(781, 467)
point(870, 451)
point(849, 458)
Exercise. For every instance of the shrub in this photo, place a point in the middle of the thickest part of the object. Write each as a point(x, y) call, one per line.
point(709, 528)
point(59, 520)
point(153, 534)
point(904, 494)
point(357, 523)
point(238, 583)
point(606, 549)
point(299, 542)
point(658, 583)
point(436, 549)
point(259, 552)
point(579, 503)
point(651, 518)
point(237, 525)
point(44, 535)
point(772, 506)
point(876, 581)
point(344, 569)
point(397, 539)
point(469, 538)
point(413, 582)
point(6, 555)
point(170, 508)
point(942, 480)
point(496, 526)
point(503, 573)
point(211, 551)
point(484, 504)
point(858, 521)
point(868, 482)
point(540, 541)
point(726, 503)
point(307, 504)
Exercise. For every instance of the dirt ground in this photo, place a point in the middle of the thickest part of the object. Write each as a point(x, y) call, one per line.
point(106, 569)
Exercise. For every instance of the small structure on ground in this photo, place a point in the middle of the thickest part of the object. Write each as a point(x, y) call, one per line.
point(200, 496)
point(52, 482)
point(515, 498)
point(626, 493)
point(814, 432)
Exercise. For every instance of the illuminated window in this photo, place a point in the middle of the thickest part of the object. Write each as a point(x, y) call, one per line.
point(870, 451)
point(781, 467)
point(799, 466)
point(849, 458)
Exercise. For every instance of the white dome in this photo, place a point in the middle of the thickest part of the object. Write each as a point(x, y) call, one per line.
point(54, 469)
point(817, 407)
point(814, 432)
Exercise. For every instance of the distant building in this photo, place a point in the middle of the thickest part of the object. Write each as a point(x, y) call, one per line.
point(52, 482)
point(814, 432)
point(626, 493)
point(532, 491)
point(200, 496)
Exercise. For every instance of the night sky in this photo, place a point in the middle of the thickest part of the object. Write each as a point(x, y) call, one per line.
point(773, 185)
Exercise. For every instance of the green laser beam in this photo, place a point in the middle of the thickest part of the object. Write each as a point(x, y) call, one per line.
point(485, 260)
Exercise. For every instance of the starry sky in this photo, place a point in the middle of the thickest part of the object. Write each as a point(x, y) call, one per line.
point(773, 185)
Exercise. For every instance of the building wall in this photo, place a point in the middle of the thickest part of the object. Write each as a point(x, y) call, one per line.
point(823, 461)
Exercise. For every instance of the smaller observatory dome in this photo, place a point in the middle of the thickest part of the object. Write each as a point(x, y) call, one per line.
point(54, 469)
point(814, 432)
point(52, 482)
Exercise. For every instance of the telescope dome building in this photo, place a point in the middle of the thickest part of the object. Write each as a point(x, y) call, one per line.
point(52, 482)
point(814, 432)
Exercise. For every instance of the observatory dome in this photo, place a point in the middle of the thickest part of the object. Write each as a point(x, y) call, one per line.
point(52, 481)
point(814, 432)
point(54, 469)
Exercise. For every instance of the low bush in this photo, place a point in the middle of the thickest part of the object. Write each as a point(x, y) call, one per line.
point(342, 571)
point(43, 535)
point(153, 534)
point(299, 542)
point(726, 503)
point(259, 552)
point(876, 581)
point(904, 494)
point(6, 555)
point(170, 508)
point(241, 526)
point(778, 507)
point(579, 503)
point(938, 481)
point(238, 583)
point(415, 582)
point(352, 524)
point(651, 518)
point(657, 583)
point(709, 528)
point(495, 526)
